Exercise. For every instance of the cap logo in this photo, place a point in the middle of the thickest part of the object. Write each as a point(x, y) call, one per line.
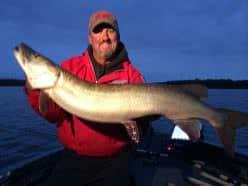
point(103, 15)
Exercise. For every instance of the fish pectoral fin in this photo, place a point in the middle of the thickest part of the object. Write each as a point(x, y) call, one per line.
point(196, 90)
point(190, 126)
point(132, 130)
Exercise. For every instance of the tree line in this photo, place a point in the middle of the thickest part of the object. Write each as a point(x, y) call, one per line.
point(210, 83)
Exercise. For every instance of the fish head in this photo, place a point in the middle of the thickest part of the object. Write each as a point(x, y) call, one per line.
point(40, 72)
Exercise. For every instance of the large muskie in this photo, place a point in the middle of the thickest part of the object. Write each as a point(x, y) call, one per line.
point(113, 104)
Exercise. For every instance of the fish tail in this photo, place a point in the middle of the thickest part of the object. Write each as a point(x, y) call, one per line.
point(227, 131)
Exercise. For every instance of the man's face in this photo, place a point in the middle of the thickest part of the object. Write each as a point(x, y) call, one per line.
point(104, 40)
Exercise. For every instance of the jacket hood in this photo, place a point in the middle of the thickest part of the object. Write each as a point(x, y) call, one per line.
point(116, 61)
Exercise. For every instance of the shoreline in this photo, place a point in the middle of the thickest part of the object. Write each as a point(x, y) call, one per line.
point(210, 83)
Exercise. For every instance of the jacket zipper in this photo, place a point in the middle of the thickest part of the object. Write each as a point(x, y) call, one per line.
point(93, 72)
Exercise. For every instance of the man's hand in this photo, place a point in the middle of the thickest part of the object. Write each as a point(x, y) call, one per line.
point(43, 103)
point(43, 99)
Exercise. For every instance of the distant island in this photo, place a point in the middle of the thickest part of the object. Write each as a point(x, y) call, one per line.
point(215, 83)
point(11, 82)
point(210, 83)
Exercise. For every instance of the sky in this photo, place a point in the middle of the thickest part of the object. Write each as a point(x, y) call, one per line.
point(166, 40)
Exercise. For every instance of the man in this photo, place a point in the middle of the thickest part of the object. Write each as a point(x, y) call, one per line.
point(95, 154)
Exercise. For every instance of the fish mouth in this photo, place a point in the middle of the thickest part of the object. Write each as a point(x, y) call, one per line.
point(16, 49)
point(24, 52)
point(20, 53)
point(20, 47)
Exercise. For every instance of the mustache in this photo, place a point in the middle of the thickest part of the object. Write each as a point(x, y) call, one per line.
point(108, 41)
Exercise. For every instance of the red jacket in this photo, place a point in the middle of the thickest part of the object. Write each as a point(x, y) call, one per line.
point(84, 137)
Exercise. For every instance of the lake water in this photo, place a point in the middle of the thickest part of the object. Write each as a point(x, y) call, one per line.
point(25, 136)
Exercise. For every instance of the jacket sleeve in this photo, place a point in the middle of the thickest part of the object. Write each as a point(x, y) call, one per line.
point(134, 75)
point(55, 113)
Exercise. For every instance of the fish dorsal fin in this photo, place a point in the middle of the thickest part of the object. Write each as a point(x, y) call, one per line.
point(197, 90)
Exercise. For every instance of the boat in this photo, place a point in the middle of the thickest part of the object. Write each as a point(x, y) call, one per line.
point(159, 160)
